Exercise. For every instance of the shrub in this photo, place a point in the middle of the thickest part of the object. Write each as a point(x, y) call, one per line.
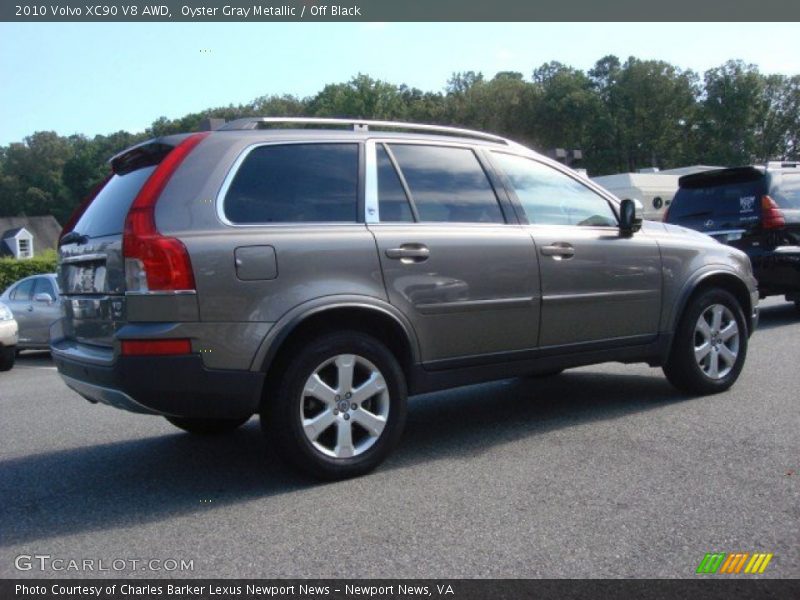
point(12, 270)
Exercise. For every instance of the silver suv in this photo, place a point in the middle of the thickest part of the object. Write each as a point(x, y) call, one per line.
point(319, 275)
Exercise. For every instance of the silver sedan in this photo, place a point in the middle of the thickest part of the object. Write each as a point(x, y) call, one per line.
point(35, 303)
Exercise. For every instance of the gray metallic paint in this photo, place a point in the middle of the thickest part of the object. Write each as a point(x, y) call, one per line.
point(485, 296)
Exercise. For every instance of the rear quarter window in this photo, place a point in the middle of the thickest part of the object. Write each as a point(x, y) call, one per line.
point(295, 183)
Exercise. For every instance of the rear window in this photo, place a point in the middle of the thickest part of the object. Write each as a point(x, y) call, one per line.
point(787, 192)
point(295, 183)
point(106, 214)
point(731, 198)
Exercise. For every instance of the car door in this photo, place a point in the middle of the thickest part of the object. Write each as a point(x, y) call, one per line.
point(464, 276)
point(20, 301)
point(43, 312)
point(597, 285)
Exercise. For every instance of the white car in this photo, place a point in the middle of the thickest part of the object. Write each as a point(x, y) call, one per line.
point(8, 338)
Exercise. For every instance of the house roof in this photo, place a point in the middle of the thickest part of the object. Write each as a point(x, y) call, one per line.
point(12, 232)
point(45, 231)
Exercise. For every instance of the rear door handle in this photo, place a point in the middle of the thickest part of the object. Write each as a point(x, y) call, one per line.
point(409, 253)
point(559, 250)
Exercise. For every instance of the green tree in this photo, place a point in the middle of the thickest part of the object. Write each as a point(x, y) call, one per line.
point(733, 111)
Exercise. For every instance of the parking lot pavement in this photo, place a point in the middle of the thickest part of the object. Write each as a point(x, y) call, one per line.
point(603, 471)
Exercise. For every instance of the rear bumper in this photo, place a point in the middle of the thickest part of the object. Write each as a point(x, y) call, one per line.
point(164, 385)
point(777, 270)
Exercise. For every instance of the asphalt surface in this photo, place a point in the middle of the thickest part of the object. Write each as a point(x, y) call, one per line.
point(604, 471)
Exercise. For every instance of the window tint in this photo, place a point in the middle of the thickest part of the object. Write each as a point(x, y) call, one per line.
point(392, 201)
point(295, 183)
point(729, 198)
point(447, 184)
point(787, 193)
point(553, 198)
point(106, 214)
point(24, 291)
point(45, 286)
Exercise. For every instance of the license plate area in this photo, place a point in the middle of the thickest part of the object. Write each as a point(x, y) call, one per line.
point(86, 277)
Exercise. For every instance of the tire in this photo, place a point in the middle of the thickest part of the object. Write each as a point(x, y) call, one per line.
point(7, 357)
point(207, 426)
point(702, 359)
point(313, 391)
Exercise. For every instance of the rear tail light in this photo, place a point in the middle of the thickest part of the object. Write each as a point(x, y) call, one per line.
point(771, 215)
point(154, 262)
point(156, 347)
point(81, 208)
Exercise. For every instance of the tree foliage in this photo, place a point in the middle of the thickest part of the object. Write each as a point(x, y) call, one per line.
point(623, 115)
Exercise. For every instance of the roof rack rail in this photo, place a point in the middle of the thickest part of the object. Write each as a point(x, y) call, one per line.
point(362, 125)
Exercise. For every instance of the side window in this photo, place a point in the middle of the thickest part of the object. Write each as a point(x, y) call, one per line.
point(787, 193)
point(393, 203)
point(551, 197)
point(295, 183)
point(24, 291)
point(447, 184)
point(44, 286)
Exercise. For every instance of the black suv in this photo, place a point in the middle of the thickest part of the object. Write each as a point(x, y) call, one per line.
point(755, 209)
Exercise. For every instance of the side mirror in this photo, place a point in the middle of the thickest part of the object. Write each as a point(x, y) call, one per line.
point(43, 297)
point(630, 216)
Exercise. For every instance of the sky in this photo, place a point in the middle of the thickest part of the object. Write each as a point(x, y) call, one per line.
point(92, 78)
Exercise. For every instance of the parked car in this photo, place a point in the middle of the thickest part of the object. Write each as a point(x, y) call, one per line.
point(319, 276)
point(8, 338)
point(36, 305)
point(755, 209)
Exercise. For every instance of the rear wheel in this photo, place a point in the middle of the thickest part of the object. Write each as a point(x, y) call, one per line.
point(7, 356)
point(207, 426)
point(339, 408)
point(710, 344)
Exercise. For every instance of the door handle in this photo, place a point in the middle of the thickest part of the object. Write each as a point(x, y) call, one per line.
point(409, 253)
point(559, 250)
point(30, 308)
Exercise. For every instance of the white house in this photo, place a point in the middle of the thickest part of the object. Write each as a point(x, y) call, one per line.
point(25, 237)
point(19, 242)
point(653, 187)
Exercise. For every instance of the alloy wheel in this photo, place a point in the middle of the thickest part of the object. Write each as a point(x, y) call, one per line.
point(716, 341)
point(344, 406)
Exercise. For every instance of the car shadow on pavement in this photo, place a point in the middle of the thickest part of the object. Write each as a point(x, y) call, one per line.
point(777, 315)
point(126, 483)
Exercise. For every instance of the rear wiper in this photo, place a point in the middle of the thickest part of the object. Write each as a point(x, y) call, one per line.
point(73, 237)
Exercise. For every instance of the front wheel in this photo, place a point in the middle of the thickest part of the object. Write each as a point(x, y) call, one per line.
point(207, 426)
point(339, 408)
point(710, 344)
point(7, 356)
